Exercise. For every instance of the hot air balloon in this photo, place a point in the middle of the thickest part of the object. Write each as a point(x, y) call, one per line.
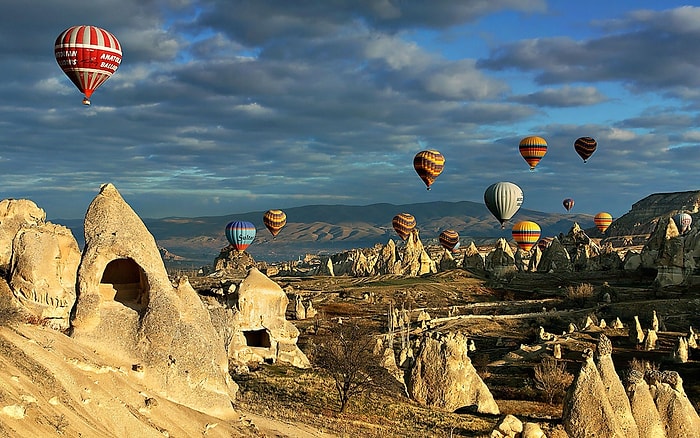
point(428, 165)
point(544, 243)
point(602, 221)
point(449, 239)
point(274, 220)
point(403, 224)
point(526, 234)
point(503, 199)
point(568, 204)
point(683, 221)
point(240, 234)
point(585, 146)
point(533, 149)
point(88, 55)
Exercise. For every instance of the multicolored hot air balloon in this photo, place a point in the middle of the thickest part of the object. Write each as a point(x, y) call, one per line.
point(544, 243)
point(428, 165)
point(503, 199)
point(532, 149)
point(602, 221)
point(403, 224)
point(568, 204)
point(683, 222)
point(240, 234)
point(274, 220)
point(449, 239)
point(526, 234)
point(88, 55)
point(584, 147)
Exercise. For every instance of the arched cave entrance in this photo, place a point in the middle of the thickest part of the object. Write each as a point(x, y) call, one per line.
point(124, 281)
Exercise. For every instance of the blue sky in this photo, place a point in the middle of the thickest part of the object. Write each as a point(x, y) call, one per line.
point(224, 106)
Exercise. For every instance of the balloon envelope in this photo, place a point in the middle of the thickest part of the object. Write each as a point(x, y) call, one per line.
point(532, 149)
point(428, 165)
point(544, 243)
point(240, 234)
point(568, 204)
point(585, 146)
point(403, 224)
point(602, 221)
point(526, 234)
point(683, 222)
point(503, 199)
point(274, 220)
point(449, 239)
point(88, 55)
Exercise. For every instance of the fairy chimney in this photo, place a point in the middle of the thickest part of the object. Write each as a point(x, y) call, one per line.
point(126, 307)
point(14, 215)
point(644, 411)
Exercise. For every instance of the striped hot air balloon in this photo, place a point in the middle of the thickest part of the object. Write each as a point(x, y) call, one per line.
point(449, 239)
point(240, 234)
point(403, 224)
point(585, 146)
point(568, 204)
point(532, 149)
point(428, 165)
point(544, 243)
point(602, 221)
point(274, 220)
point(526, 234)
point(503, 199)
point(88, 55)
point(683, 222)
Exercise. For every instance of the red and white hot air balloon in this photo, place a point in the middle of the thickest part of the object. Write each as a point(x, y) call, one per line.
point(88, 55)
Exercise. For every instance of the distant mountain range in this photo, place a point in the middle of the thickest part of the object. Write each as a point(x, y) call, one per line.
point(333, 228)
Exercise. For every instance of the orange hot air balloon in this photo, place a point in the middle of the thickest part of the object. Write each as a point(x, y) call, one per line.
point(568, 204)
point(274, 220)
point(428, 165)
point(89, 56)
point(526, 234)
point(449, 239)
point(532, 150)
point(602, 221)
point(403, 224)
point(584, 147)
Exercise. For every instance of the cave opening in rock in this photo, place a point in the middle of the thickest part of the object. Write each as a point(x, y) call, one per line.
point(257, 338)
point(124, 281)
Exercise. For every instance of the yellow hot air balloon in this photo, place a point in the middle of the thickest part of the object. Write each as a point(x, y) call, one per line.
point(403, 224)
point(428, 165)
point(533, 149)
point(526, 234)
point(602, 221)
point(274, 220)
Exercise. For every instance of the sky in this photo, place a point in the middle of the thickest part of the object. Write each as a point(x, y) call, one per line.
point(222, 107)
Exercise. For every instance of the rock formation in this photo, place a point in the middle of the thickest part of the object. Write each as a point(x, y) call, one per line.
point(260, 332)
point(555, 258)
point(644, 411)
point(127, 308)
point(473, 260)
point(677, 413)
point(43, 272)
point(443, 376)
point(501, 261)
point(15, 214)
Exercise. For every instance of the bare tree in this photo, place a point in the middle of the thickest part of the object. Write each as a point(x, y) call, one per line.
point(551, 378)
point(347, 356)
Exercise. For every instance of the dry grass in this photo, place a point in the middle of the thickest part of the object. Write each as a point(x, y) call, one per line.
point(306, 397)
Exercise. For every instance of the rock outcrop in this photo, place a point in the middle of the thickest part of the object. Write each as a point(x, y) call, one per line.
point(43, 272)
point(443, 376)
point(260, 332)
point(127, 308)
point(501, 261)
point(14, 215)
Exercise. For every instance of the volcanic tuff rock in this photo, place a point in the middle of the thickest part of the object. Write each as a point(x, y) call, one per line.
point(443, 376)
point(128, 309)
point(15, 214)
point(674, 256)
point(43, 272)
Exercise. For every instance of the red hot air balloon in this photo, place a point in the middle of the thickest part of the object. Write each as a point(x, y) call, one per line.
point(449, 239)
point(428, 165)
point(568, 204)
point(602, 221)
point(532, 149)
point(274, 220)
point(88, 55)
point(526, 234)
point(403, 224)
point(584, 147)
